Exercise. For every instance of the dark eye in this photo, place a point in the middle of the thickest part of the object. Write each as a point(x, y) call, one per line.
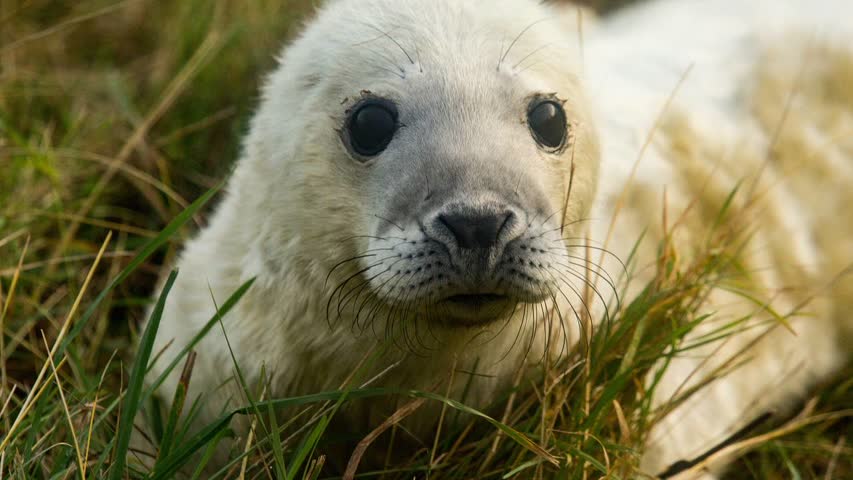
point(547, 121)
point(372, 126)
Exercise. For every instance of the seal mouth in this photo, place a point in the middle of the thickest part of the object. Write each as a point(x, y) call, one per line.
point(476, 300)
point(475, 308)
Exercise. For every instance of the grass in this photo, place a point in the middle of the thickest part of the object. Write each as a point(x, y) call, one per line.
point(113, 116)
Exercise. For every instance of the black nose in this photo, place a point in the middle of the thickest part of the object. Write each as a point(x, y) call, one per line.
point(475, 230)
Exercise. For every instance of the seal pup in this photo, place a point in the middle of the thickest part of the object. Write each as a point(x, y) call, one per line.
point(420, 178)
point(402, 188)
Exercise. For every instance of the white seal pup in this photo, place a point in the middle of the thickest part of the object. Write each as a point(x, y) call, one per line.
point(419, 175)
point(402, 187)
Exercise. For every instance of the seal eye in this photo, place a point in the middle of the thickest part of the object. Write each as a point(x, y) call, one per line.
point(547, 121)
point(371, 127)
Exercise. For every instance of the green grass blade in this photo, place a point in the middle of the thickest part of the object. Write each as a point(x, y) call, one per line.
point(307, 447)
point(168, 436)
point(277, 450)
point(149, 248)
point(220, 312)
point(137, 376)
point(166, 468)
point(208, 454)
point(592, 460)
point(524, 466)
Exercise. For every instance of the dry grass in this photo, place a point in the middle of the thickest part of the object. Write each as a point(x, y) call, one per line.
point(114, 115)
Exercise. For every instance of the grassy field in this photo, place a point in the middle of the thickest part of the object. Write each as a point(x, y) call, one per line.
point(114, 117)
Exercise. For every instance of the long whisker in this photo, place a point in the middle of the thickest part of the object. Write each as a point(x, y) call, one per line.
point(564, 348)
point(546, 325)
point(592, 286)
point(391, 318)
point(397, 73)
point(415, 320)
point(342, 300)
point(568, 301)
point(534, 52)
point(603, 250)
point(374, 237)
point(377, 288)
point(387, 35)
point(600, 273)
point(516, 39)
point(532, 333)
point(599, 270)
point(390, 306)
point(344, 262)
point(586, 309)
point(563, 226)
point(343, 284)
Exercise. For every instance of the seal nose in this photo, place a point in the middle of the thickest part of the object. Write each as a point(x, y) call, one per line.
point(475, 230)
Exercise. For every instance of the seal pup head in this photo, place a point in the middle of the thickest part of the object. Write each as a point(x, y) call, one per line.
point(422, 152)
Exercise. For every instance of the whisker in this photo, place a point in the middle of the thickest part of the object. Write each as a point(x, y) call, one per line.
point(599, 249)
point(387, 35)
point(380, 302)
point(568, 301)
point(341, 300)
point(592, 286)
point(583, 279)
point(600, 273)
point(583, 262)
point(534, 52)
point(578, 315)
point(348, 279)
point(390, 222)
point(532, 333)
point(339, 264)
point(374, 237)
point(516, 39)
point(563, 226)
point(548, 328)
point(399, 74)
point(390, 321)
point(369, 295)
point(415, 319)
point(564, 348)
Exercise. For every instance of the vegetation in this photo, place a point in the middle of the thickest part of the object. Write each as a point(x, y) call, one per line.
point(114, 117)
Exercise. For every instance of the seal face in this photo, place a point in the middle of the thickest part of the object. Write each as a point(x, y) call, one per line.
point(465, 227)
point(465, 170)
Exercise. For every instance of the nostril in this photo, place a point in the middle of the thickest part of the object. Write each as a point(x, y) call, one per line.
point(475, 230)
point(506, 218)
